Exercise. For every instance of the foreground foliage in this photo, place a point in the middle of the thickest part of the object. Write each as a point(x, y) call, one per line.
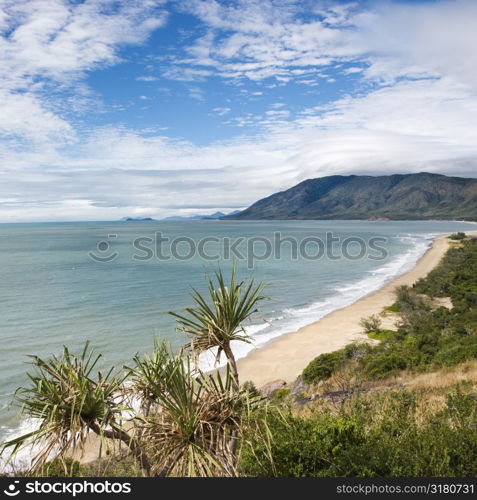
point(387, 434)
point(188, 423)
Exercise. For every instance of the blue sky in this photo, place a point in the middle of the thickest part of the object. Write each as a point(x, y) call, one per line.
point(152, 108)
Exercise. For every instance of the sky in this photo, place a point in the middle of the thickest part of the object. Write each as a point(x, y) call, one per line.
point(152, 108)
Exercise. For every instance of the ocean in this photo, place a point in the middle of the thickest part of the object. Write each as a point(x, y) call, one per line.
point(113, 283)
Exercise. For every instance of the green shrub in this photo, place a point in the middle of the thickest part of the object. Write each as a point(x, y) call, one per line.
point(300, 446)
point(385, 364)
point(371, 323)
point(378, 437)
point(281, 394)
point(457, 236)
point(455, 353)
point(322, 367)
point(356, 350)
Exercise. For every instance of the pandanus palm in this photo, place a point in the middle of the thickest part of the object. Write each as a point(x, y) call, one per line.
point(190, 420)
point(68, 401)
point(216, 321)
point(192, 416)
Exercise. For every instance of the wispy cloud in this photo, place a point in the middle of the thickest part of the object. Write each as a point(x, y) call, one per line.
point(221, 111)
point(413, 107)
point(147, 78)
point(264, 39)
point(46, 46)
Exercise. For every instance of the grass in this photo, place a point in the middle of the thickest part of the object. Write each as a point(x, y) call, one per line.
point(381, 334)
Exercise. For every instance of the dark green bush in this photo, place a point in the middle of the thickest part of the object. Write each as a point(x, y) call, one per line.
point(383, 365)
point(371, 437)
point(457, 236)
point(323, 367)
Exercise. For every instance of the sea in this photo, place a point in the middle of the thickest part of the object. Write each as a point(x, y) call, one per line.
point(114, 283)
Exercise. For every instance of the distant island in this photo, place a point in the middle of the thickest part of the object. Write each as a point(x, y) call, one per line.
point(216, 215)
point(136, 219)
point(390, 197)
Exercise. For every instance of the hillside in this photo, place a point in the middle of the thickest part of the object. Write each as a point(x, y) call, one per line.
point(398, 197)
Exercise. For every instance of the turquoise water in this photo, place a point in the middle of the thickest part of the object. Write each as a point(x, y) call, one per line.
point(53, 293)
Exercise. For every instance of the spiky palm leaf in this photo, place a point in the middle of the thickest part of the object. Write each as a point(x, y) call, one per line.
point(194, 417)
point(148, 374)
point(67, 401)
point(216, 322)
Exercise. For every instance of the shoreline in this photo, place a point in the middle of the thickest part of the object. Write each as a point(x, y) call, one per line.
point(285, 357)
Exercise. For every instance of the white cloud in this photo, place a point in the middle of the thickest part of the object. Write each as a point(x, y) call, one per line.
point(45, 48)
point(196, 93)
point(147, 79)
point(416, 110)
point(222, 111)
point(24, 116)
point(256, 40)
point(262, 39)
point(431, 39)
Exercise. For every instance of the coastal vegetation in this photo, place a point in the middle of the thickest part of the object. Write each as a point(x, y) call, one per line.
point(428, 335)
point(404, 406)
point(397, 432)
point(170, 416)
point(399, 404)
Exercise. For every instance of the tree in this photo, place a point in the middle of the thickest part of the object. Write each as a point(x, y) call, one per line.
point(371, 324)
point(189, 423)
point(192, 416)
point(69, 401)
point(217, 322)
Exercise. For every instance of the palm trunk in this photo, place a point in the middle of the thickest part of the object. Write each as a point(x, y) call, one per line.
point(233, 366)
point(236, 386)
point(132, 444)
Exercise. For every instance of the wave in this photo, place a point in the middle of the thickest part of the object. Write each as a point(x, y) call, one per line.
point(291, 319)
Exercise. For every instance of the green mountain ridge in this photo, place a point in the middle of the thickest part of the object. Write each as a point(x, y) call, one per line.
point(397, 197)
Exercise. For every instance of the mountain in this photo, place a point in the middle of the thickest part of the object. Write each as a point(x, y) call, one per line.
point(400, 197)
point(136, 219)
point(216, 215)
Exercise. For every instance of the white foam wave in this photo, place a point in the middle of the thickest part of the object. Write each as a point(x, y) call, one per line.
point(291, 319)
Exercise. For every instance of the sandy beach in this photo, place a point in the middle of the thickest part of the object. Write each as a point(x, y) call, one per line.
point(286, 357)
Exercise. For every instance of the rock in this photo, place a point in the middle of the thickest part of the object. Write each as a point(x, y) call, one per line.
point(270, 388)
point(299, 386)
